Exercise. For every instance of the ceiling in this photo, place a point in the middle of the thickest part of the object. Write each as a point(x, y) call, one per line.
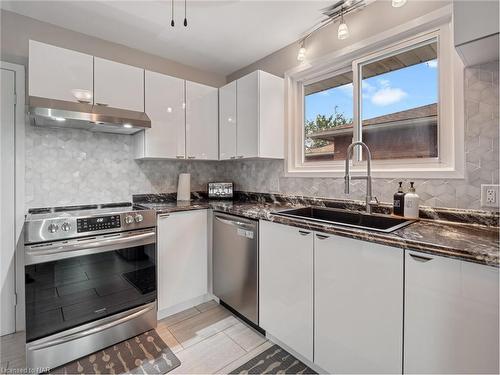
point(222, 36)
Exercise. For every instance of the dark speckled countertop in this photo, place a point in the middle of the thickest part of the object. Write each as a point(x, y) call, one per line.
point(476, 243)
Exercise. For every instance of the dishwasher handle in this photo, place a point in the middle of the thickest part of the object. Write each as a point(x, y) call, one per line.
point(234, 222)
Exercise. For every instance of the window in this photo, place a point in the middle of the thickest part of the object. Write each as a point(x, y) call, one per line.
point(398, 98)
point(399, 104)
point(328, 118)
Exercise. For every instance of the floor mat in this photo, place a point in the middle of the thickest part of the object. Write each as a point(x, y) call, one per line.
point(273, 361)
point(143, 354)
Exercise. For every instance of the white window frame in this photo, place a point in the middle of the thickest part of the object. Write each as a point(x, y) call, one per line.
point(450, 161)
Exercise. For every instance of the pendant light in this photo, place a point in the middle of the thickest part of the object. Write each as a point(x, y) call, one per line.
point(301, 56)
point(343, 32)
point(185, 14)
point(398, 3)
point(172, 22)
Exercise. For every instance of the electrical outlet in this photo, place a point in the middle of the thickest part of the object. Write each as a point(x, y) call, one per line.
point(489, 195)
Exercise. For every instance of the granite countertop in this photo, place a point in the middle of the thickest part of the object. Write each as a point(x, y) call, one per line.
point(470, 242)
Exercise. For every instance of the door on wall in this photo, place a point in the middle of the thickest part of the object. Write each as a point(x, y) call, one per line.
point(7, 198)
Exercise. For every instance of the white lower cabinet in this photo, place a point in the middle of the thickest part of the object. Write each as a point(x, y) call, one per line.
point(182, 257)
point(286, 285)
point(358, 305)
point(451, 316)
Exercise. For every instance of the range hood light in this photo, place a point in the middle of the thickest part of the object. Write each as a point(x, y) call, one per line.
point(398, 3)
point(128, 126)
point(60, 119)
point(83, 96)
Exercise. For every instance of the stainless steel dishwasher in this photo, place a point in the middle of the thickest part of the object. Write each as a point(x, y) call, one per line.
point(236, 264)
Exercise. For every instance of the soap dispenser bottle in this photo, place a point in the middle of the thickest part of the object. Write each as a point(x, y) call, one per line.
point(398, 205)
point(411, 203)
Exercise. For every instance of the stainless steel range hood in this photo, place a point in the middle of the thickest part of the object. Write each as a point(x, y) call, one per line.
point(62, 114)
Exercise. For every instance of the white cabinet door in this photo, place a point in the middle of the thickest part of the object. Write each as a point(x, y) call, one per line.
point(202, 121)
point(54, 72)
point(271, 116)
point(286, 285)
point(451, 316)
point(182, 257)
point(227, 121)
point(118, 85)
point(247, 141)
point(358, 306)
point(164, 104)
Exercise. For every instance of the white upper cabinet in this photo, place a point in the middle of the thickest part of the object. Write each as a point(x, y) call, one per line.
point(54, 72)
point(227, 121)
point(260, 116)
point(164, 105)
point(247, 138)
point(286, 285)
point(451, 316)
point(118, 85)
point(476, 30)
point(358, 306)
point(202, 121)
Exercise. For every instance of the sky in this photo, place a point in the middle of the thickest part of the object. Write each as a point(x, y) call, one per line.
point(386, 93)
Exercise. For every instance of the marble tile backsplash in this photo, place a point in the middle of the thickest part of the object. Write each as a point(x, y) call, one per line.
point(65, 167)
point(481, 154)
point(70, 166)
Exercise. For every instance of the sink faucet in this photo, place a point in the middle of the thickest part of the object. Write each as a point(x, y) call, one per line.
point(370, 201)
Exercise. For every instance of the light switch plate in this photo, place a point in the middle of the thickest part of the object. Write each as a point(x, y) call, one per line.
point(489, 195)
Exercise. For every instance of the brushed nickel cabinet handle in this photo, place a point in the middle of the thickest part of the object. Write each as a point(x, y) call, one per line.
point(191, 157)
point(232, 157)
point(304, 233)
point(161, 216)
point(321, 237)
point(240, 156)
point(420, 258)
point(102, 104)
point(180, 156)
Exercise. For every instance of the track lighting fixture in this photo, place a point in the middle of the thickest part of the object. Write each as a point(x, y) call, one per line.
point(343, 32)
point(301, 56)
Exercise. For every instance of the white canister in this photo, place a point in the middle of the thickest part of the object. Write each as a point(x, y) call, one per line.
point(412, 203)
point(184, 187)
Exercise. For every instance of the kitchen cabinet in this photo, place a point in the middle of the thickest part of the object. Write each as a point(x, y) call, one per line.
point(227, 121)
point(451, 316)
point(476, 30)
point(164, 105)
point(358, 306)
point(286, 285)
point(182, 258)
point(202, 121)
point(118, 85)
point(259, 113)
point(54, 72)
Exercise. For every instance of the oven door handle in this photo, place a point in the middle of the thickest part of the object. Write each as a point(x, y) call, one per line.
point(90, 331)
point(38, 253)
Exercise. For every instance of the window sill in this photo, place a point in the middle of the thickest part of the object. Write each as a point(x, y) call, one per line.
point(430, 172)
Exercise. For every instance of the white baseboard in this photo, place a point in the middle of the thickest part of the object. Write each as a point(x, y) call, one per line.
point(183, 306)
point(312, 365)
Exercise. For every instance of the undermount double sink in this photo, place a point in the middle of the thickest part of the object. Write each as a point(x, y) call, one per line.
point(379, 223)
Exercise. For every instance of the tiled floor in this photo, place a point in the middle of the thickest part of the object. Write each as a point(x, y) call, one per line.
point(206, 338)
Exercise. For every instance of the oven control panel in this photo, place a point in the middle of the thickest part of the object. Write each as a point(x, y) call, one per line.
point(90, 224)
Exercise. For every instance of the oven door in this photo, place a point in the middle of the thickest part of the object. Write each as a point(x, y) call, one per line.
point(70, 283)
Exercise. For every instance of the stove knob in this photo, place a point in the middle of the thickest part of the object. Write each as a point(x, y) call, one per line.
point(53, 228)
point(139, 218)
point(129, 219)
point(65, 227)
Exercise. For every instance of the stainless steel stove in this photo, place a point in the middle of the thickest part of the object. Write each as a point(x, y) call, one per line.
point(90, 276)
